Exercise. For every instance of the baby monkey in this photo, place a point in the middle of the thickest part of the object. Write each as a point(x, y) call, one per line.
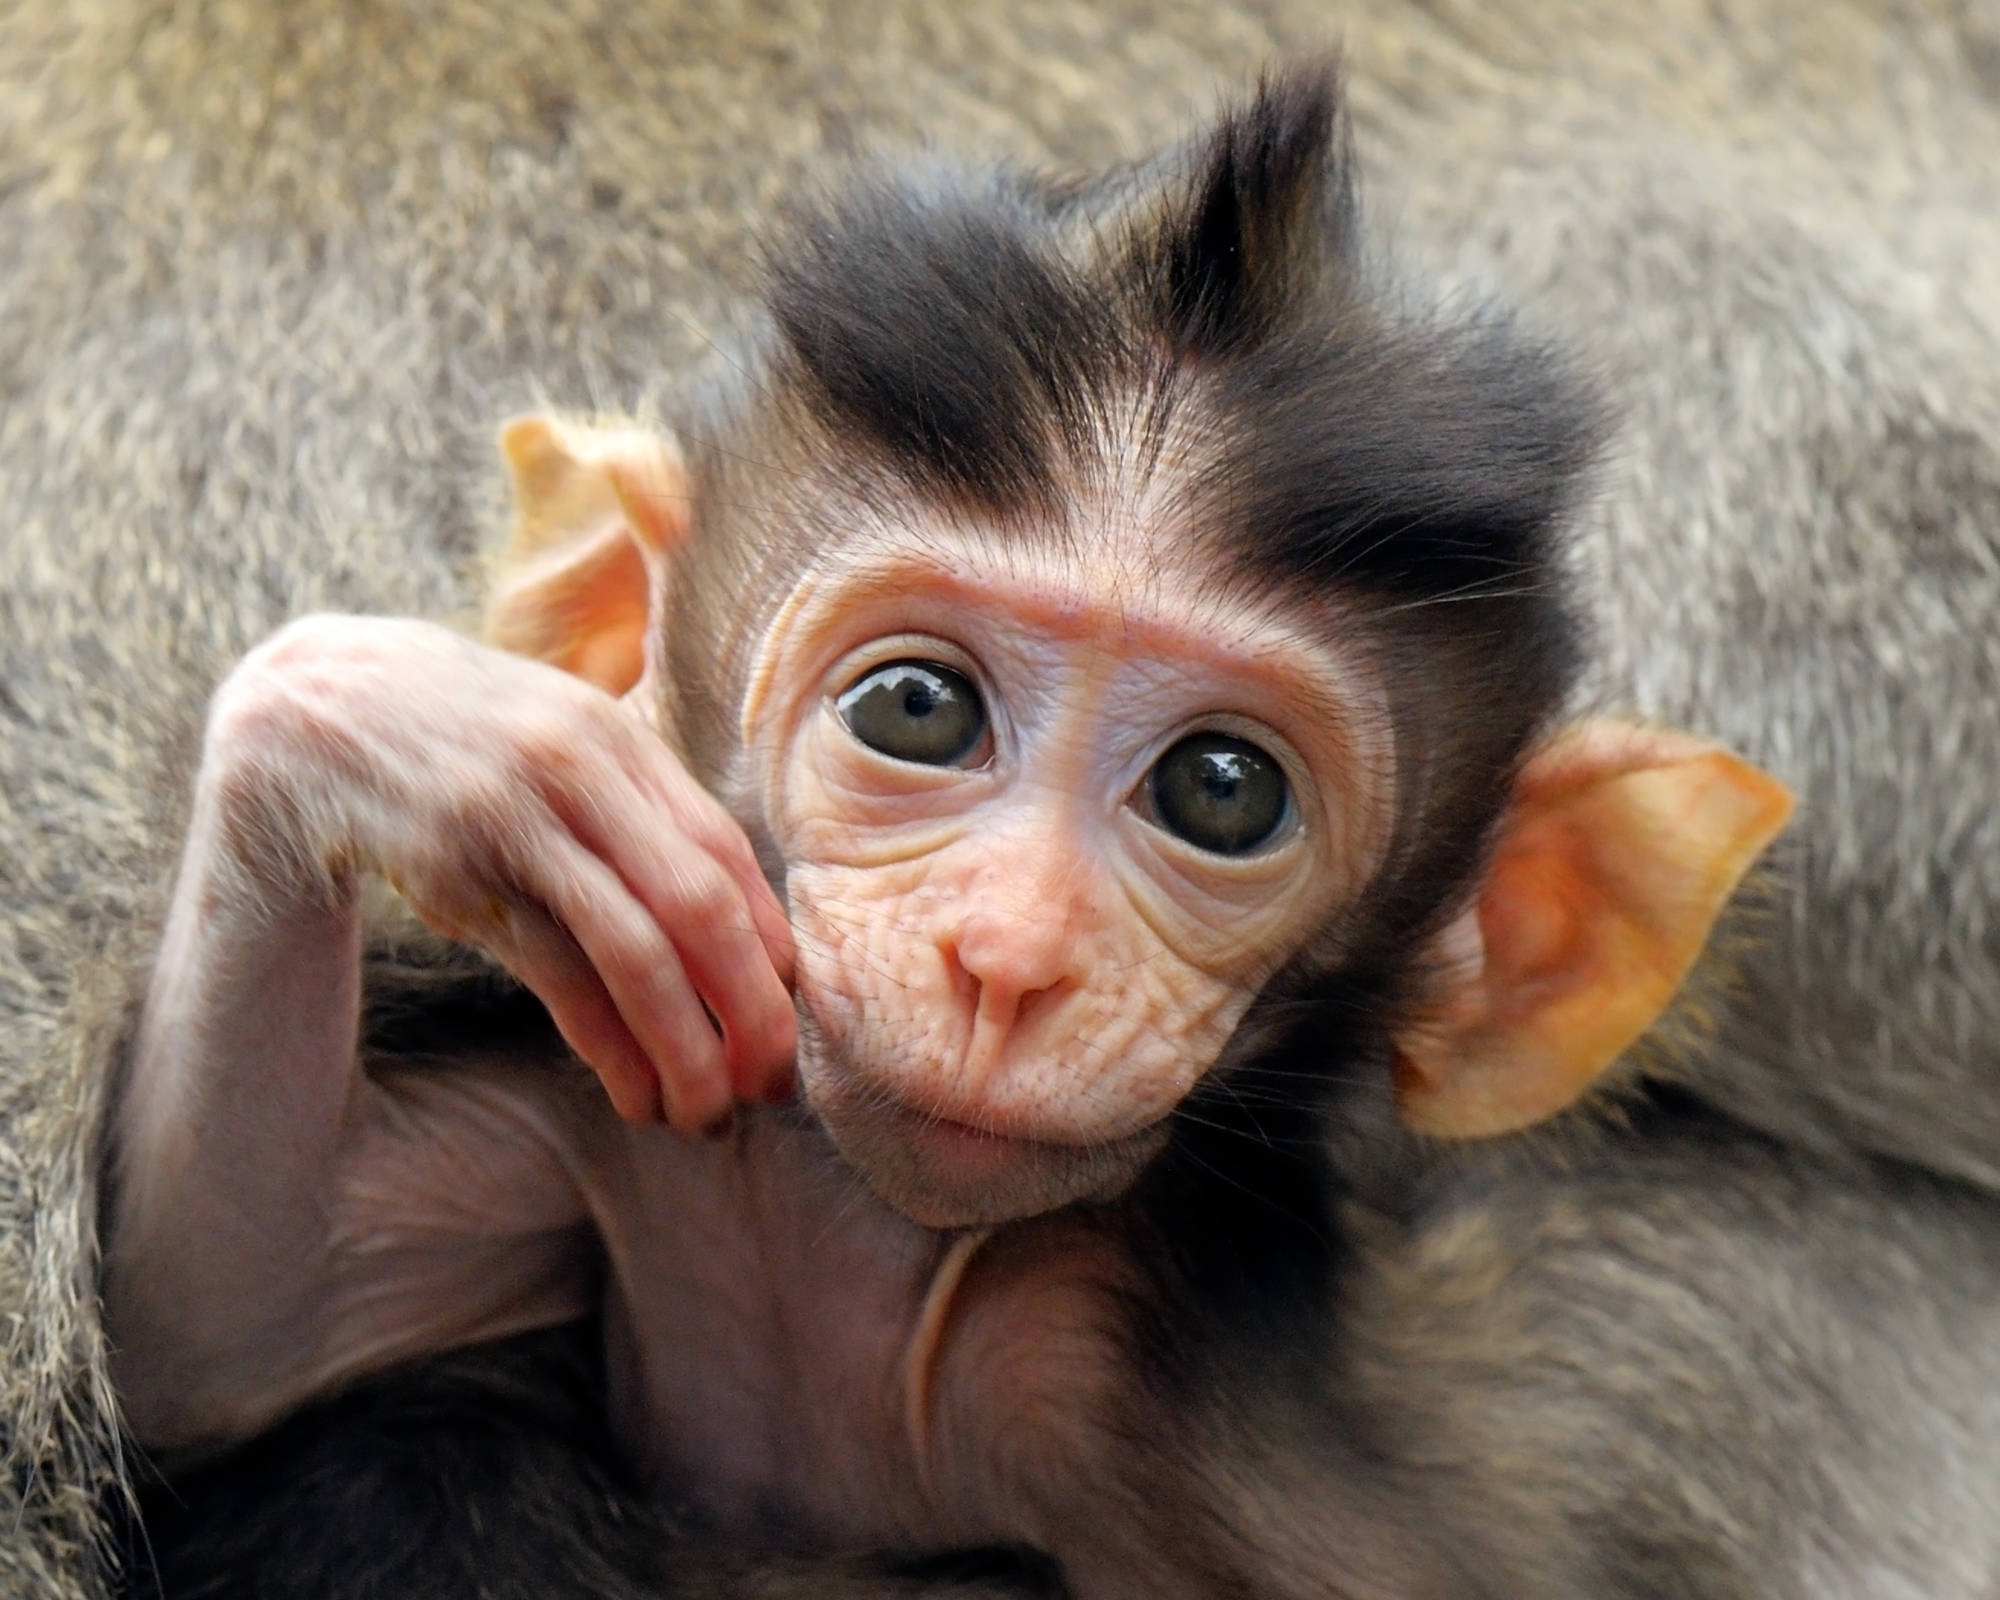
point(1128, 640)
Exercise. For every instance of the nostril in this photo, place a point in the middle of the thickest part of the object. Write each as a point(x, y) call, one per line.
point(964, 986)
point(1005, 952)
point(1035, 1002)
point(990, 982)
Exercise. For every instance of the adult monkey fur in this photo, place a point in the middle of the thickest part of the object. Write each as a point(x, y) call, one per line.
point(1792, 274)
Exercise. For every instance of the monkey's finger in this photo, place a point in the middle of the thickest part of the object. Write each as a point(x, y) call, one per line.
point(536, 949)
point(699, 881)
point(643, 975)
point(707, 824)
point(703, 913)
point(726, 959)
point(767, 915)
point(773, 927)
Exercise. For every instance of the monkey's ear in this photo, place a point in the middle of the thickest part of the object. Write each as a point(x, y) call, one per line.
point(1621, 847)
point(598, 507)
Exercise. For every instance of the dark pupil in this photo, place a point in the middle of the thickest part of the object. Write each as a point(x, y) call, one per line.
point(1219, 793)
point(915, 711)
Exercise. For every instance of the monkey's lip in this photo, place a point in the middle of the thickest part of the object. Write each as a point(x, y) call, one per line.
point(944, 1172)
point(964, 1149)
point(962, 1139)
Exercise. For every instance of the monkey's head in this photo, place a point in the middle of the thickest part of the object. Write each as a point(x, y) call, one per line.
point(1130, 633)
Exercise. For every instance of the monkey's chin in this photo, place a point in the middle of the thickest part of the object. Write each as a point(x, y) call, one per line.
point(943, 1174)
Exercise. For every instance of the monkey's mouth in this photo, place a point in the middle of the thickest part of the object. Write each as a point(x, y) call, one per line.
point(944, 1173)
point(968, 1152)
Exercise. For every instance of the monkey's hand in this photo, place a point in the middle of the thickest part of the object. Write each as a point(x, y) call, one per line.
point(278, 1220)
point(519, 808)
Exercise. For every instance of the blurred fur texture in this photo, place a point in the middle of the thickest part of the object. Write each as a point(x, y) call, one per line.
point(269, 276)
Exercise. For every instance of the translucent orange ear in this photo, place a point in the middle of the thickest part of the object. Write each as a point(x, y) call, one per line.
point(597, 509)
point(1620, 850)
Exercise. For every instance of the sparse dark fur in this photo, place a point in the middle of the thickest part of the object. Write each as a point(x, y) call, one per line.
point(269, 275)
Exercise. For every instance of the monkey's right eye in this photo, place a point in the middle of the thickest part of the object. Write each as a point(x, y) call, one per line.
point(917, 711)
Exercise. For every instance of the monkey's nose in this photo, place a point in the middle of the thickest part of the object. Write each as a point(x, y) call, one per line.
point(1001, 960)
point(1006, 970)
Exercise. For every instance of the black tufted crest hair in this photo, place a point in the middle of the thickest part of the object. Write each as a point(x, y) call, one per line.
point(982, 336)
point(974, 331)
point(1269, 207)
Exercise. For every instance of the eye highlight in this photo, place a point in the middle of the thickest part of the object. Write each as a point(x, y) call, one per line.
point(1219, 793)
point(918, 711)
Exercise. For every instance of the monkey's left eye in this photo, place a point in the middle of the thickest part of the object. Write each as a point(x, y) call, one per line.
point(1220, 794)
point(917, 711)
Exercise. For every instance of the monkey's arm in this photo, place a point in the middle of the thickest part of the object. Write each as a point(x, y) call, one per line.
point(278, 1220)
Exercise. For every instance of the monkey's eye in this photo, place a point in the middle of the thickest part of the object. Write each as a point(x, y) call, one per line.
point(916, 711)
point(1219, 794)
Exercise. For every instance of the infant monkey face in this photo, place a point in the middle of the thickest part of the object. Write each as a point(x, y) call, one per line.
point(1043, 849)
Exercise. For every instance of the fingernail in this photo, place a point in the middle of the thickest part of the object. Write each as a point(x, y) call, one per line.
point(721, 1126)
